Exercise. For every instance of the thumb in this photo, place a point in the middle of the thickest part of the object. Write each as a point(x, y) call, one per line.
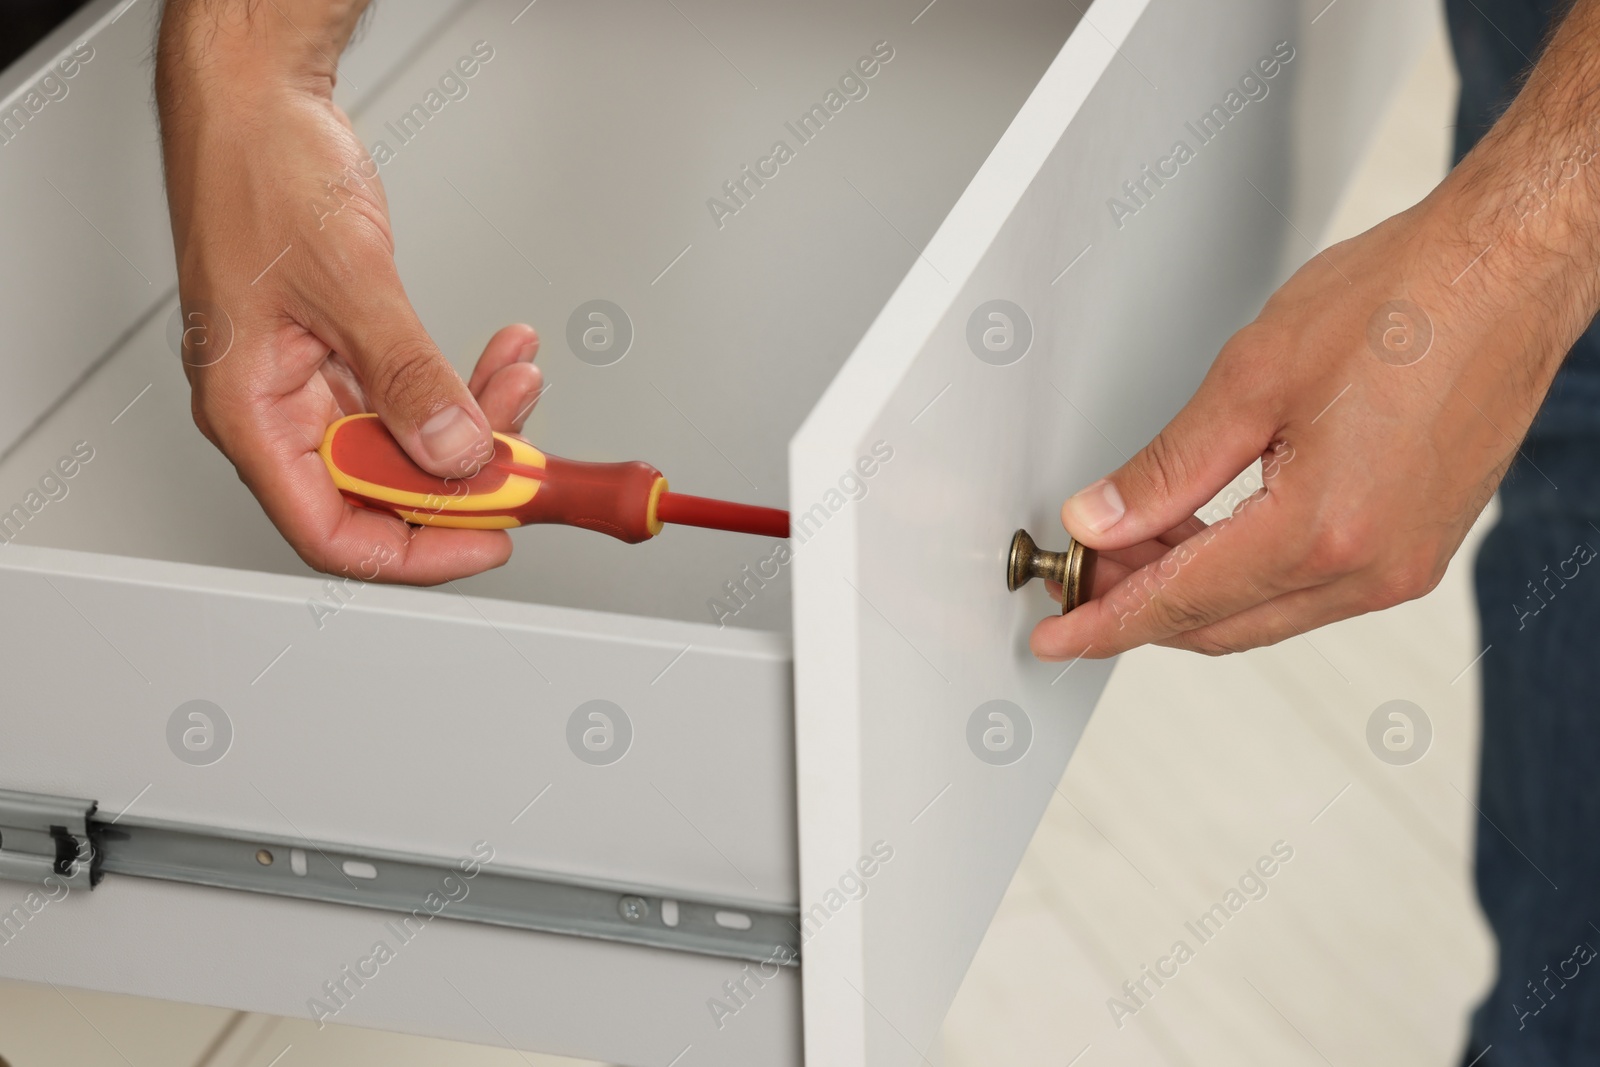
point(1199, 452)
point(417, 393)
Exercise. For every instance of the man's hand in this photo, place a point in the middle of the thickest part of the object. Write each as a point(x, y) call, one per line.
point(282, 237)
point(1385, 388)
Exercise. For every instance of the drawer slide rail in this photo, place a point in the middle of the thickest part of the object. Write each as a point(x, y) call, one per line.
point(43, 837)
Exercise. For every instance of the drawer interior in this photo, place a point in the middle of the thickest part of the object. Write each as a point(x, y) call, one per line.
point(580, 164)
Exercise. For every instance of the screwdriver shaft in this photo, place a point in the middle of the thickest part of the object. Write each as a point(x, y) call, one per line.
point(686, 510)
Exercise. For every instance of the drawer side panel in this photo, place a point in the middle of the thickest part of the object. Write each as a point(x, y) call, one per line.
point(601, 747)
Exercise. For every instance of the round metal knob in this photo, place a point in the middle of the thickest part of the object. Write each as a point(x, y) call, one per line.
point(1073, 568)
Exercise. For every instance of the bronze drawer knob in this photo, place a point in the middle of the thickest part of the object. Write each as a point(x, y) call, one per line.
point(1073, 568)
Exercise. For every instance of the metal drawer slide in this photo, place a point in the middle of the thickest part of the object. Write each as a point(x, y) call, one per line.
point(44, 837)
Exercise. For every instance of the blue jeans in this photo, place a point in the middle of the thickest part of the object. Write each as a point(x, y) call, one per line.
point(1538, 588)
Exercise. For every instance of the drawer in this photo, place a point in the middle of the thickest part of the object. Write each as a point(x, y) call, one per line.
point(954, 297)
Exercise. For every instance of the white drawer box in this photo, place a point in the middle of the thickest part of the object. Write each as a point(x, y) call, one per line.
point(795, 730)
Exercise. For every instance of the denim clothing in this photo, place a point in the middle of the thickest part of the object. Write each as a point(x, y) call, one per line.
point(1495, 41)
point(1537, 577)
point(1538, 853)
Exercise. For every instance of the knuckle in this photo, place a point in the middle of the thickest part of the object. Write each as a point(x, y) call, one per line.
point(201, 421)
point(1435, 576)
point(1406, 578)
point(1164, 467)
point(1252, 350)
point(1257, 380)
point(372, 221)
point(1238, 356)
point(1336, 549)
point(1173, 611)
point(405, 375)
point(1216, 647)
point(315, 557)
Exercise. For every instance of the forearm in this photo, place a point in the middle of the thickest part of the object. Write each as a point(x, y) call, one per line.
point(223, 67)
point(216, 41)
point(1525, 203)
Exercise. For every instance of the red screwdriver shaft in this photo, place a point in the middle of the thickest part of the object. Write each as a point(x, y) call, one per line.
point(686, 510)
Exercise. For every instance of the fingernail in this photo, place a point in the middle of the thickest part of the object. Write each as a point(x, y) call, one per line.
point(526, 353)
point(1098, 507)
point(448, 434)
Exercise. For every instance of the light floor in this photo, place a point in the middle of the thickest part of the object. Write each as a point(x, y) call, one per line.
point(1366, 949)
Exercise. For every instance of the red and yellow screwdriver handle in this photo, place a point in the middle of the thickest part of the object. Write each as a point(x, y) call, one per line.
point(518, 486)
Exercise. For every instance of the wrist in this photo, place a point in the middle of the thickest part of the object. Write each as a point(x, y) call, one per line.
point(1539, 201)
point(1528, 194)
point(1516, 231)
point(235, 47)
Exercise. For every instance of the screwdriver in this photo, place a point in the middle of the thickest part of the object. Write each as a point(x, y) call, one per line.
point(520, 486)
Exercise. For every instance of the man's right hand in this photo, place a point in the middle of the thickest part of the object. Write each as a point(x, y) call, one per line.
point(286, 258)
point(1445, 325)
